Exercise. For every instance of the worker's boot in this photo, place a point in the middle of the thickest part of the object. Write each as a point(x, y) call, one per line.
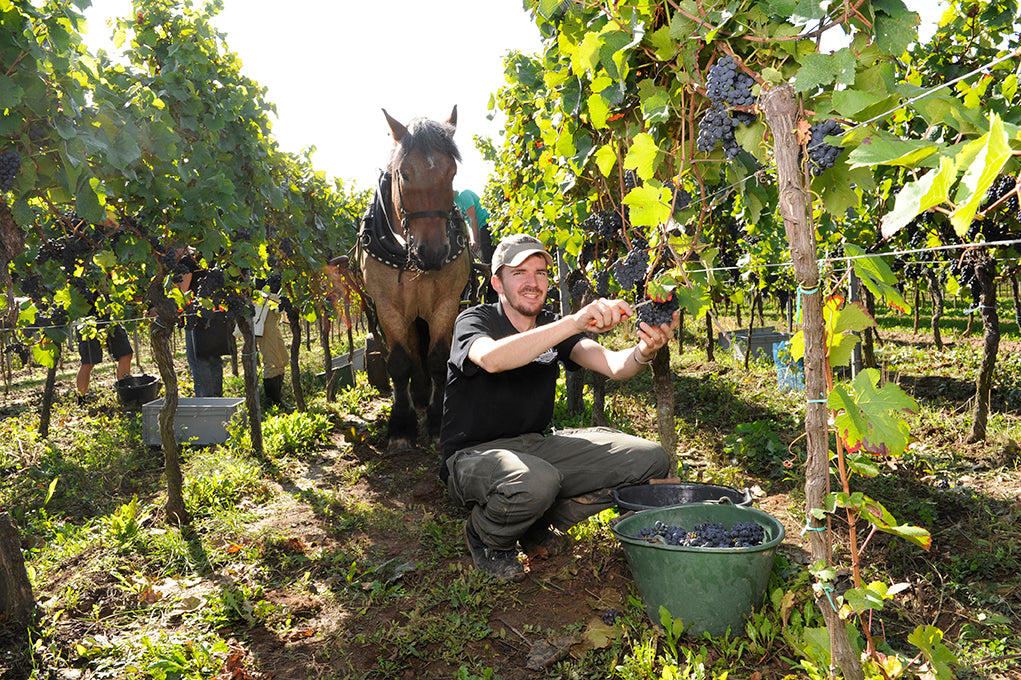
point(274, 388)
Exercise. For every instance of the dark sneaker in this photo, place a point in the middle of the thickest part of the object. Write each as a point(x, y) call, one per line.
point(501, 564)
point(545, 542)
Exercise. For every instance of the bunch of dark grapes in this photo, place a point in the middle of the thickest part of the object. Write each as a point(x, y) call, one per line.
point(717, 126)
point(50, 250)
point(580, 287)
point(747, 534)
point(822, 155)
point(725, 84)
point(679, 197)
point(918, 230)
point(603, 283)
point(32, 286)
point(657, 313)
point(707, 535)
point(610, 616)
point(10, 164)
point(726, 87)
point(1004, 185)
point(606, 223)
point(210, 285)
point(20, 350)
point(630, 179)
point(721, 78)
point(994, 224)
point(632, 270)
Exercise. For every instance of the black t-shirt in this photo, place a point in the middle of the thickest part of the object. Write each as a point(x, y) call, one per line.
point(479, 406)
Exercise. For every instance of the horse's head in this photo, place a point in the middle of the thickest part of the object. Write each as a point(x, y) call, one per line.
point(423, 164)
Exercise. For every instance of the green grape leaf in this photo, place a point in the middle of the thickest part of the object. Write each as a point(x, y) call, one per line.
point(665, 47)
point(992, 151)
point(45, 353)
point(655, 101)
point(598, 110)
point(10, 92)
point(896, 27)
point(870, 420)
point(694, 300)
point(863, 465)
point(644, 156)
point(881, 148)
point(929, 640)
point(875, 513)
point(849, 102)
point(606, 158)
point(876, 275)
point(648, 208)
point(918, 196)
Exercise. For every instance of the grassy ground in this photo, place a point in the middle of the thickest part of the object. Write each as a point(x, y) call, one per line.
point(328, 558)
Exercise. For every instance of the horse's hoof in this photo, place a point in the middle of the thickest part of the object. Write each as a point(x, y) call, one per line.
point(399, 446)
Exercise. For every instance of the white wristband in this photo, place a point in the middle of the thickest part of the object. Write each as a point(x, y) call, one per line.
point(639, 361)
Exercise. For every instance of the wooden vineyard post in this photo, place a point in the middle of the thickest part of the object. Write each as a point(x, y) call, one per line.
point(17, 603)
point(780, 107)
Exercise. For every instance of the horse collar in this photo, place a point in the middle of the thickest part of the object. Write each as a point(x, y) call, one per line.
point(377, 237)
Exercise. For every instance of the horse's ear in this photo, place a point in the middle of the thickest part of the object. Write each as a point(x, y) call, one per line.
point(452, 121)
point(396, 128)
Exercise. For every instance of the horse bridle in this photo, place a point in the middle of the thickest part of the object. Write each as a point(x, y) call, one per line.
point(399, 254)
point(417, 214)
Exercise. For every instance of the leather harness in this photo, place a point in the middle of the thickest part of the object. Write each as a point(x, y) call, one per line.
point(377, 237)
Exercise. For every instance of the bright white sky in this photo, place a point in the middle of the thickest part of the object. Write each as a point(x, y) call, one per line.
point(330, 66)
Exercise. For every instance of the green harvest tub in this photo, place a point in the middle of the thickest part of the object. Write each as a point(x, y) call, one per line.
point(709, 589)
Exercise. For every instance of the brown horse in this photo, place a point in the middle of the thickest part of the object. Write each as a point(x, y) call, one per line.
point(415, 264)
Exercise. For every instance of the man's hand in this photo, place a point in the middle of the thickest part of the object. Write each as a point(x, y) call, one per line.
point(651, 338)
point(601, 315)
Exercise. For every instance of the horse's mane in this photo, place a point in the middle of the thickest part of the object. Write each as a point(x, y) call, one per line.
point(427, 136)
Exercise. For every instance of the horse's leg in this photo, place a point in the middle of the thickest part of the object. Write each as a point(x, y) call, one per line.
point(403, 424)
point(436, 363)
point(441, 329)
point(418, 340)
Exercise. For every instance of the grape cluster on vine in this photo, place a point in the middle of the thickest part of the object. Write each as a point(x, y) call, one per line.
point(657, 313)
point(10, 164)
point(679, 197)
point(606, 223)
point(821, 154)
point(717, 126)
point(632, 270)
point(603, 283)
point(726, 87)
point(707, 535)
point(630, 179)
point(726, 84)
point(999, 210)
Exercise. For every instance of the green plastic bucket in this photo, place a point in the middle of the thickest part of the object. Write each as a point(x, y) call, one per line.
point(709, 589)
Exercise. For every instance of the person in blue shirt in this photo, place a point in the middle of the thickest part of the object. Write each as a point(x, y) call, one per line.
point(478, 222)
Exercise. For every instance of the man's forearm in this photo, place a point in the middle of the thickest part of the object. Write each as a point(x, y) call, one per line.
point(517, 350)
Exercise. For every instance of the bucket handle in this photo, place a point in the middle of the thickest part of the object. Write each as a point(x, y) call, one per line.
point(723, 500)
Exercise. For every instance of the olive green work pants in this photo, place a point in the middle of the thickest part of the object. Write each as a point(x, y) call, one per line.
point(554, 480)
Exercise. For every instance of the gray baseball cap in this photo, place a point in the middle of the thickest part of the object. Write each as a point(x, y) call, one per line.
point(515, 249)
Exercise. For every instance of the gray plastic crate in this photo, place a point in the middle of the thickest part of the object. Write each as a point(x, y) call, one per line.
point(198, 420)
point(345, 368)
point(761, 344)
